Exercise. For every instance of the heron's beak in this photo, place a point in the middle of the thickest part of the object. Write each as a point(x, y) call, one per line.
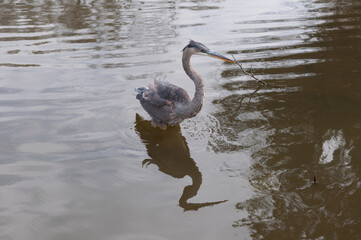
point(219, 56)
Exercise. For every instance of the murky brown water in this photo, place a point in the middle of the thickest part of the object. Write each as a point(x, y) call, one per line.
point(79, 159)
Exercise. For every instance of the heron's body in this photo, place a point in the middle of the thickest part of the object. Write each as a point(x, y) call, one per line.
point(169, 104)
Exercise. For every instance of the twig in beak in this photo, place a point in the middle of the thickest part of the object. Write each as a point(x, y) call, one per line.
point(249, 74)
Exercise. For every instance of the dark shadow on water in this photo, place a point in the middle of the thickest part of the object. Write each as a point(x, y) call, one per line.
point(169, 151)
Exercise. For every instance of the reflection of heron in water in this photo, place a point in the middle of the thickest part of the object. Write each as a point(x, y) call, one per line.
point(168, 104)
point(169, 151)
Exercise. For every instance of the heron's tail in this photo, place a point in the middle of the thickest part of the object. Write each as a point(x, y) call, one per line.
point(140, 91)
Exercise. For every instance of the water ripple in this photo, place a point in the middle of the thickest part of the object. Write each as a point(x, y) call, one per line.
point(69, 149)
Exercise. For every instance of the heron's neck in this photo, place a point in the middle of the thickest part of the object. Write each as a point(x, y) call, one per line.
point(197, 101)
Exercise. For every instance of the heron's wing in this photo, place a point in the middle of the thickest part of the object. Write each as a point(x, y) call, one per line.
point(171, 92)
point(160, 101)
point(152, 97)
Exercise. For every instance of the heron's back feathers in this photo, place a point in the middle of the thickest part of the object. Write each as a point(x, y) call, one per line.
point(171, 92)
point(161, 100)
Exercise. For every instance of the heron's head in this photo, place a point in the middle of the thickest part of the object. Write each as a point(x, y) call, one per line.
point(198, 48)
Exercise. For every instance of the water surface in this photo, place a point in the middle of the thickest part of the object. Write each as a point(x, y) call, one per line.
point(79, 159)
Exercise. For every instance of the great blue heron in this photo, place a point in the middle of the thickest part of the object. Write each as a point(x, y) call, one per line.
point(168, 104)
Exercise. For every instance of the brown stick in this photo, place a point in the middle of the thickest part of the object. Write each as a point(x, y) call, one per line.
point(249, 74)
point(314, 177)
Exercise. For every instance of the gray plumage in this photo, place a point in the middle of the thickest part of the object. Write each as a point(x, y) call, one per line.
point(169, 104)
